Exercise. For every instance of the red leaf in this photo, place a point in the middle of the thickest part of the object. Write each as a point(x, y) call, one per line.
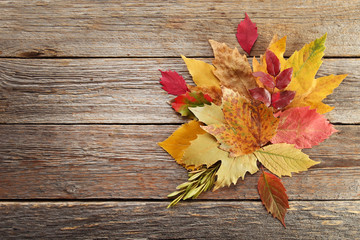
point(303, 127)
point(262, 95)
point(265, 78)
point(272, 63)
point(273, 195)
point(173, 83)
point(280, 100)
point(246, 34)
point(182, 102)
point(284, 78)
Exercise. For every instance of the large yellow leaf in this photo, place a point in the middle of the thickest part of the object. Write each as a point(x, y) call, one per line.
point(201, 72)
point(282, 159)
point(247, 127)
point(176, 144)
point(208, 114)
point(232, 69)
point(204, 151)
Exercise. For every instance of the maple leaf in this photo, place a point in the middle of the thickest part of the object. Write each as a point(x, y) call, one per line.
point(201, 72)
point(282, 159)
point(176, 144)
point(247, 127)
point(182, 102)
point(273, 195)
point(214, 92)
point(173, 83)
point(246, 34)
point(204, 151)
point(208, 114)
point(303, 127)
point(232, 69)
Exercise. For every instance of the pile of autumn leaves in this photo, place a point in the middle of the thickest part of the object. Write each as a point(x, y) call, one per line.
point(242, 115)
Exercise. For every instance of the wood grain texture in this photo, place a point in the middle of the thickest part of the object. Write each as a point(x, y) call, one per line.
point(167, 28)
point(196, 220)
point(124, 162)
point(123, 90)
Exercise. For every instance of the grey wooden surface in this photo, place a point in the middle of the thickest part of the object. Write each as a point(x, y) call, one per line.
point(81, 111)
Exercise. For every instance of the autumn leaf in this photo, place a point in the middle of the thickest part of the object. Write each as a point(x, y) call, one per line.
point(273, 195)
point(282, 159)
point(176, 144)
point(303, 127)
point(232, 69)
point(247, 127)
point(208, 114)
point(213, 91)
point(204, 151)
point(246, 34)
point(281, 99)
point(182, 102)
point(201, 72)
point(173, 83)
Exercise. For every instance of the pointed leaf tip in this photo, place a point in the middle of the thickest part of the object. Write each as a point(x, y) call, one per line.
point(173, 83)
point(246, 34)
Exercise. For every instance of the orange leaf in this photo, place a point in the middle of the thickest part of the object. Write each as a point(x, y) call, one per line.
point(273, 195)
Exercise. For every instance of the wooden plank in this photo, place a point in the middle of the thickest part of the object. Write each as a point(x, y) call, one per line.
point(122, 90)
point(123, 162)
point(168, 28)
point(196, 220)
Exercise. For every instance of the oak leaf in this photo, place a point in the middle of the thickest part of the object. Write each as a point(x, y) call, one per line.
point(246, 34)
point(247, 127)
point(204, 151)
point(303, 127)
point(232, 69)
point(273, 195)
point(173, 83)
point(282, 159)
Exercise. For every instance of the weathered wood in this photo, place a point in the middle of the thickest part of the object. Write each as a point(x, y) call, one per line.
point(111, 161)
point(196, 220)
point(122, 90)
point(168, 28)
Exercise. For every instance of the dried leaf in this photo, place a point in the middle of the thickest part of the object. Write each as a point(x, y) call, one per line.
point(247, 127)
point(173, 83)
point(208, 114)
point(182, 102)
point(282, 159)
point(273, 195)
point(303, 127)
point(246, 34)
point(214, 92)
point(232, 69)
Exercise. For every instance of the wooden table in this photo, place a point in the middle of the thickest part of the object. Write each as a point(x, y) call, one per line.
point(81, 111)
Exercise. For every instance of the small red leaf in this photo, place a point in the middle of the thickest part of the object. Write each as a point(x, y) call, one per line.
point(284, 78)
point(265, 78)
point(262, 95)
point(173, 83)
point(182, 102)
point(272, 63)
point(273, 195)
point(246, 34)
point(280, 100)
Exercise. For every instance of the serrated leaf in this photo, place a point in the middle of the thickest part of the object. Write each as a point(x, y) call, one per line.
point(204, 151)
point(232, 69)
point(208, 114)
point(273, 195)
point(282, 159)
point(246, 34)
point(201, 72)
point(176, 144)
point(303, 127)
point(182, 102)
point(247, 127)
point(173, 83)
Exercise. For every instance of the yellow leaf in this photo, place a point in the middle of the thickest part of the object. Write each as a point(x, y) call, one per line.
point(204, 151)
point(232, 69)
point(208, 114)
point(201, 72)
point(176, 144)
point(282, 159)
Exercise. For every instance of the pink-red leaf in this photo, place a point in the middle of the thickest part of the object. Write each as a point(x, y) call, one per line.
point(173, 83)
point(303, 127)
point(246, 34)
point(273, 195)
point(262, 95)
point(272, 63)
point(280, 100)
point(265, 78)
point(284, 78)
point(182, 102)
